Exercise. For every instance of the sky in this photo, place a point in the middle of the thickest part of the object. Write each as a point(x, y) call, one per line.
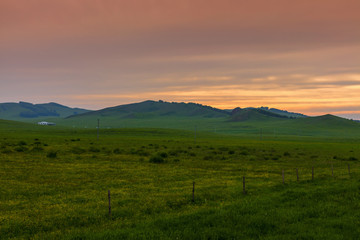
point(301, 56)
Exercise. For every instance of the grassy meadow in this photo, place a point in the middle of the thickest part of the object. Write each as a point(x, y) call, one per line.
point(54, 184)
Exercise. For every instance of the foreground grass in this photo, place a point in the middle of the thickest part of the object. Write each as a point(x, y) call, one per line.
point(53, 185)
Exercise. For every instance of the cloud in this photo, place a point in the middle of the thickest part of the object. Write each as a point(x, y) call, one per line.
point(298, 55)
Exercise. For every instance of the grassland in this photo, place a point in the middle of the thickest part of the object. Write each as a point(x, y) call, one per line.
point(54, 184)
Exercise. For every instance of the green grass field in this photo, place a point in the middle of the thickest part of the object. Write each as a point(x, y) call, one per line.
point(54, 184)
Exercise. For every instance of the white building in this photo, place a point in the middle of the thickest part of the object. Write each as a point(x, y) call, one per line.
point(46, 123)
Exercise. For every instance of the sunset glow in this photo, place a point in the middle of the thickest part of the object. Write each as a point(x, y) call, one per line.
point(301, 56)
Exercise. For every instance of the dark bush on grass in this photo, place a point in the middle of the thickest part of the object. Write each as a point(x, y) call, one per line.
point(286, 154)
point(173, 153)
point(208, 157)
point(231, 152)
point(51, 154)
point(156, 159)
point(163, 155)
point(21, 149)
point(352, 159)
point(22, 143)
point(117, 151)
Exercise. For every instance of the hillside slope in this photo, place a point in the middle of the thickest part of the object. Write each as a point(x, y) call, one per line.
point(253, 114)
point(25, 111)
point(151, 109)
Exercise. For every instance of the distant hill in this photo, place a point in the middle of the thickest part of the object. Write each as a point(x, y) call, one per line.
point(328, 121)
point(24, 110)
point(186, 116)
point(253, 114)
point(155, 109)
point(283, 112)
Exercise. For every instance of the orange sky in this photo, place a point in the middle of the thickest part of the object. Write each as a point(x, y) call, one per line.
point(296, 55)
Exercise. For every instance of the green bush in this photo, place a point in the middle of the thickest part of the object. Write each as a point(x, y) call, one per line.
point(156, 159)
point(22, 143)
point(117, 151)
point(51, 154)
point(21, 149)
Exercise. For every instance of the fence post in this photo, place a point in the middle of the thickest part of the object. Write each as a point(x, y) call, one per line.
point(244, 191)
point(312, 175)
point(193, 192)
point(297, 174)
point(109, 203)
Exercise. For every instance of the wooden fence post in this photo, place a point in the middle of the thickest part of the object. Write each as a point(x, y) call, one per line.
point(244, 191)
point(312, 175)
point(109, 203)
point(297, 174)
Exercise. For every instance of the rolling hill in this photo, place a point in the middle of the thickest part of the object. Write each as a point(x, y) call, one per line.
point(283, 112)
point(155, 109)
point(186, 116)
point(253, 114)
point(24, 111)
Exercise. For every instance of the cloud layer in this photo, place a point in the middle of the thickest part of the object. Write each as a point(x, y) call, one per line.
point(296, 55)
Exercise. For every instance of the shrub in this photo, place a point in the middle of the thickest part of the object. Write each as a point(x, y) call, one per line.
point(163, 155)
point(156, 159)
point(231, 152)
point(286, 154)
point(352, 159)
point(173, 153)
point(117, 151)
point(21, 149)
point(51, 154)
point(21, 143)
